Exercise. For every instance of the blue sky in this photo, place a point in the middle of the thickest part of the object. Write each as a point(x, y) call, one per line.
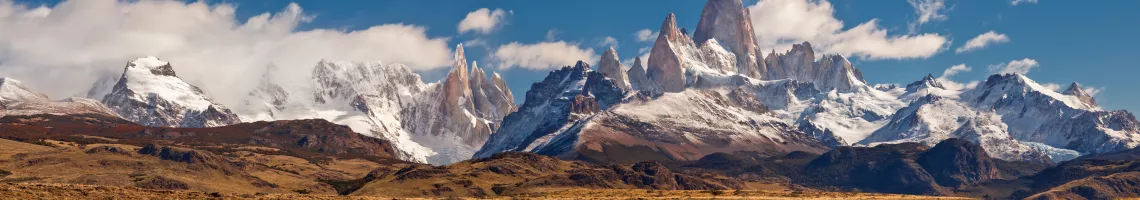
point(1090, 43)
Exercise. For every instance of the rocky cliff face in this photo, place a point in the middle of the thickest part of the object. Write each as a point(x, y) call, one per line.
point(551, 104)
point(612, 68)
point(151, 94)
point(490, 96)
point(729, 23)
point(831, 72)
point(665, 69)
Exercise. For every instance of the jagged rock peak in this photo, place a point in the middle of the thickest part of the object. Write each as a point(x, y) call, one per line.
point(636, 74)
point(1075, 90)
point(12, 90)
point(611, 67)
point(669, 30)
point(729, 23)
point(665, 69)
point(927, 82)
point(457, 84)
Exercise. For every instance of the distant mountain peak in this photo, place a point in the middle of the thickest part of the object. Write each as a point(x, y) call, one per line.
point(1075, 90)
point(927, 82)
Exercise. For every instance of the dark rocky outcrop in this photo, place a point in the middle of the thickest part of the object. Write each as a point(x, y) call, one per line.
point(954, 162)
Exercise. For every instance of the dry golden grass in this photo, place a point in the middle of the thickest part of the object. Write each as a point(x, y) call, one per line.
point(92, 164)
point(71, 191)
point(575, 193)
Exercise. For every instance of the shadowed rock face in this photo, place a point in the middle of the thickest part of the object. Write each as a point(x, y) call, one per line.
point(729, 23)
point(955, 162)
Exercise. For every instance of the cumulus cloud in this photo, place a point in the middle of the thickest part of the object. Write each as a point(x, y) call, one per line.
point(542, 55)
point(927, 11)
point(63, 49)
point(1015, 2)
point(645, 35)
point(608, 42)
point(1016, 66)
point(781, 23)
point(483, 20)
point(981, 41)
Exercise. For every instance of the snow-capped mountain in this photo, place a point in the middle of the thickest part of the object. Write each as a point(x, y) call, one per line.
point(151, 94)
point(1013, 117)
point(697, 97)
point(16, 99)
point(1038, 114)
point(12, 90)
point(695, 101)
point(437, 123)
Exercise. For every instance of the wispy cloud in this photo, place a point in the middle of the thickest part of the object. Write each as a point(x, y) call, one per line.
point(645, 35)
point(927, 11)
point(981, 41)
point(1016, 2)
point(542, 55)
point(608, 42)
point(1016, 66)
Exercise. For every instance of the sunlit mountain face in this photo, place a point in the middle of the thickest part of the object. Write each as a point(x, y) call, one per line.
point(705, 99)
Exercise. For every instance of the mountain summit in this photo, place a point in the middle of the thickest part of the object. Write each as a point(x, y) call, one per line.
point(149, 93)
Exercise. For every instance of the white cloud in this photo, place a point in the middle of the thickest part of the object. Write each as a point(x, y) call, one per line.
point(542, 55)
point(62, 50)
point(927, 11)
point(981, 41)
point(1015, 2)
point(954, 70)
point(645, 35)
point(1016, 66)
point(483, 20)
point(781, 23)
point(608, 42)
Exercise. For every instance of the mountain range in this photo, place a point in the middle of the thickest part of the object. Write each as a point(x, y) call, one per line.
point(702, 100)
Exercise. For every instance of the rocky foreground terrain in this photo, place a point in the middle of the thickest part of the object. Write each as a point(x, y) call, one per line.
point(95, 156)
